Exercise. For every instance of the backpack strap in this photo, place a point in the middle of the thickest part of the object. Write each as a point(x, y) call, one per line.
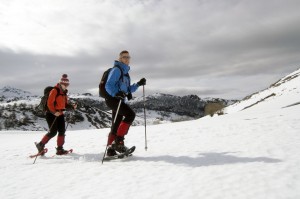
point(57, 94)
point(122, 74)
point(58, 90)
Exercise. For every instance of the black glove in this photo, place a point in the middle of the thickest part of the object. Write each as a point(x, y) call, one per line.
point(142, 82)
point(129, 96)
point(120, 95)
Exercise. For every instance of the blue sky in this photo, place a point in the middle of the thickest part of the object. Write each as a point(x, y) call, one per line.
point(227, 49)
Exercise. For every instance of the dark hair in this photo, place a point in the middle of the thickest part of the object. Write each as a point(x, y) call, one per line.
point(123, 52)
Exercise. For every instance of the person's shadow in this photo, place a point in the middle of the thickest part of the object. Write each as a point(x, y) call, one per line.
point(204, 159)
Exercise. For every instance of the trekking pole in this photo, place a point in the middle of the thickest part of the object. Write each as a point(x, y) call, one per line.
point(112, 128)
point(109, 113)
point(67, 126)
point(48, 132)
point(71, 115)
point(145, 121)
point(68, 122)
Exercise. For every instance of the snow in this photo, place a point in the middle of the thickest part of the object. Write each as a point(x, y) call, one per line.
point(250, 153)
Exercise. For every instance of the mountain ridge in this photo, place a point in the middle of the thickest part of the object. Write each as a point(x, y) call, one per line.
point(17, 110)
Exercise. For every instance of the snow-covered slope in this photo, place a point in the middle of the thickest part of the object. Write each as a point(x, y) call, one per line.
point(285, 92)
point(249, 154)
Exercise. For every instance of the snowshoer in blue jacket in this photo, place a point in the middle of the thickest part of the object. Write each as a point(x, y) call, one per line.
point(119, 87)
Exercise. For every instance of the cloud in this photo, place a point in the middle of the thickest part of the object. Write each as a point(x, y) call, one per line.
point(209, 47)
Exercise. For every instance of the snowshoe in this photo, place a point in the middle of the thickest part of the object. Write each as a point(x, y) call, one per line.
point(61, 151)
point(127, 153)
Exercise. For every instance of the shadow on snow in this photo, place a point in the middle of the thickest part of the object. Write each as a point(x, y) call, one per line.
point(206, 159)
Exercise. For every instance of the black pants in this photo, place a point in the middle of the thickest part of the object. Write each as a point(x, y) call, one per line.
point(55, 125)
point(124, 112)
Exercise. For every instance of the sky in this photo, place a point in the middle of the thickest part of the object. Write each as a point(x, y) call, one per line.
point(211, 48)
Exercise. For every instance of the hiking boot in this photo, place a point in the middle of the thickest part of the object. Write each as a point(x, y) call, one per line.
point(111, 152)
point(118, 145)
point(40, 147)
point(61, 151)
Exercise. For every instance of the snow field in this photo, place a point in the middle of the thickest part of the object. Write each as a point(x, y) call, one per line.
point(248, 154)
point(245, 154)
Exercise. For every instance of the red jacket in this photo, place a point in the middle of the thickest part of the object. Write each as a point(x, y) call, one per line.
point(57, 102)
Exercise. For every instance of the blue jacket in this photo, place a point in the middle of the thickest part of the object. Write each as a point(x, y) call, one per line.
point(114, 83)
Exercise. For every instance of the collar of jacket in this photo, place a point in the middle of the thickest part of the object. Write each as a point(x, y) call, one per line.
point(124, 67)
point(61, 90)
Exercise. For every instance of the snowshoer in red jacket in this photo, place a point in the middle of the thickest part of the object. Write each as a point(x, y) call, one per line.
point(57, 103)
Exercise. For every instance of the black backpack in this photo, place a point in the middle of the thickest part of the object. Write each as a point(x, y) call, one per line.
point(43, 104)
point(102, 91)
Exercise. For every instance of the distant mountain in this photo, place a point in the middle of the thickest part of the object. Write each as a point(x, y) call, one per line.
point(17, 110)
point(190, 105)
point(8, 94)
point(285, 92)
